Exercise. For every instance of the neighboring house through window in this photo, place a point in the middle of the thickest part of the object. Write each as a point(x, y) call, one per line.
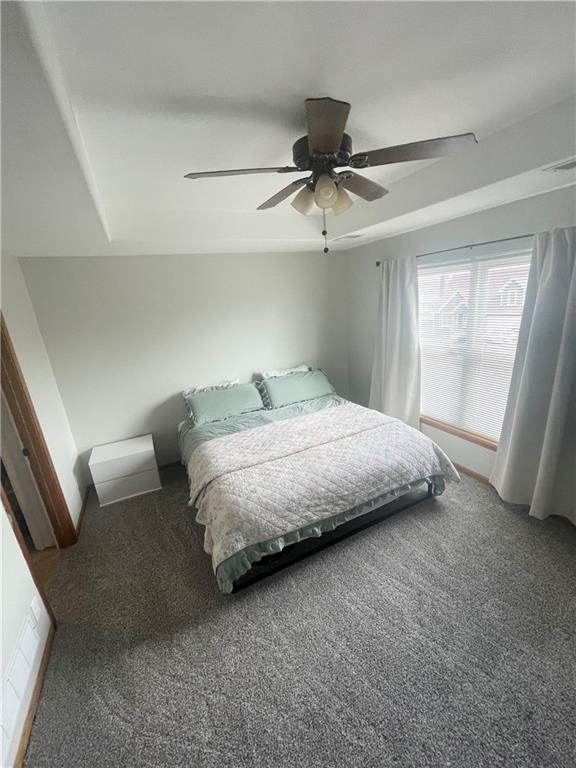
point(511, 294)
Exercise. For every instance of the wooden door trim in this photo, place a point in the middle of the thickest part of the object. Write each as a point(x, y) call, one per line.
point(22, 410)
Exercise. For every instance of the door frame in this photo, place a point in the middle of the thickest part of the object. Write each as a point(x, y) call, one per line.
point(20, 477)
point(28, 427)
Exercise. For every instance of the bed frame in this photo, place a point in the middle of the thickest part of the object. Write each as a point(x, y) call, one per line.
point(301, 549)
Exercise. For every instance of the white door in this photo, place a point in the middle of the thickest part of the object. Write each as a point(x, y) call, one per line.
point(24, 484)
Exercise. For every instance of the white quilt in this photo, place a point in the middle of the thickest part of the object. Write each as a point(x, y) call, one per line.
point(262, 483)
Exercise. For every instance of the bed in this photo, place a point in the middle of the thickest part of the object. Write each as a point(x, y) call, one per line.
point(276, 484)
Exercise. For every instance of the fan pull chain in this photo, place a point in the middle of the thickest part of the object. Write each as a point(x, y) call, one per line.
point(324, 230)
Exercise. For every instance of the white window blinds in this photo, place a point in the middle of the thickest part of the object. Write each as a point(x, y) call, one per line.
point(470, 306)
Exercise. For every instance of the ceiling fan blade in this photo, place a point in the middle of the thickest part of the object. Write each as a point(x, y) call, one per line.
point(363, 187)
point(282, 194)
point(240, 172)
point(418, 150)
point(326, 119)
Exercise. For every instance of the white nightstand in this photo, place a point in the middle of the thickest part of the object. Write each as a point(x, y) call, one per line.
point(124, 469)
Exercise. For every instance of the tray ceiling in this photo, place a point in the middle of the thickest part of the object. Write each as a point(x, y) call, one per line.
point(149, 91)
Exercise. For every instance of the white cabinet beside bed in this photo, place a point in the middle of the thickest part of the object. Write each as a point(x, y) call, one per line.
point(124, 469)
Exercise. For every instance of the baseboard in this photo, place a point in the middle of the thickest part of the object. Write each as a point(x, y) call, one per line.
point(83, 509)
point(472, 473)
point(22, 682)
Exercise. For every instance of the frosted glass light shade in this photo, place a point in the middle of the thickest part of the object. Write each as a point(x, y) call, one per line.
point(304, 201)
point(325, 192)
point(343, 202)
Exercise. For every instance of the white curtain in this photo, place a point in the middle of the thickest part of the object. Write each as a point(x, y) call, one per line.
point(536, 458)
point(395, 386)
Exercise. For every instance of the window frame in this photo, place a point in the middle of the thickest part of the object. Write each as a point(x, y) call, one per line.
point(471, 437)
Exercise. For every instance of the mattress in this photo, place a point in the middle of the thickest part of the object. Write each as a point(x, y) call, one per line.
point(262, 487)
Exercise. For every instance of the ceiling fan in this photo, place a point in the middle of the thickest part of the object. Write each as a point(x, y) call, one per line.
point(326, 148)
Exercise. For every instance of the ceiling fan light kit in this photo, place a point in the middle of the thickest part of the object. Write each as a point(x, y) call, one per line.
point(325, 148)
point(325, 192)
point(304, 201)
point(343, 202)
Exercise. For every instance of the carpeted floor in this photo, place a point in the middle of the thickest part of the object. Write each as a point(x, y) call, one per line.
point(445, 636)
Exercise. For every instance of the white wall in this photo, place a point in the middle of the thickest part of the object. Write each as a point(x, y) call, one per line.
point(535, 214)
point(25, 628)
point(33, 358)
point(126, 334)
point(463, 452)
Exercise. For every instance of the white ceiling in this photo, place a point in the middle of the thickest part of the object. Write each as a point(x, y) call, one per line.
point(149, 91)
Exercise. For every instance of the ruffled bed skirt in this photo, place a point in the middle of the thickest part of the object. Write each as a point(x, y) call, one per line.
point(240, 563)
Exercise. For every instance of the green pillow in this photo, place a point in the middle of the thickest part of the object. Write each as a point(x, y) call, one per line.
point(294, 388)
point(217, 404)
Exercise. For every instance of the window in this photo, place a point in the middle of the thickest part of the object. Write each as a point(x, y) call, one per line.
point(471, 303)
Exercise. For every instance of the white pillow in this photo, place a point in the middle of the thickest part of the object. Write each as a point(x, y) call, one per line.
point(286, 372)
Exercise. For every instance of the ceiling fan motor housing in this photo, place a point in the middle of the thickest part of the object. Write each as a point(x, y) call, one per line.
point(319, 163)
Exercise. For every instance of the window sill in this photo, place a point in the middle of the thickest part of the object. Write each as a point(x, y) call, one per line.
point(485, 442)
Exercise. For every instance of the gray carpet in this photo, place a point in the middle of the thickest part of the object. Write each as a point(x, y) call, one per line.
point(442, 637)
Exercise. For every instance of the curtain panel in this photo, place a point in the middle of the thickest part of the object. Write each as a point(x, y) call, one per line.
point(395, 385)
point(535, 463)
